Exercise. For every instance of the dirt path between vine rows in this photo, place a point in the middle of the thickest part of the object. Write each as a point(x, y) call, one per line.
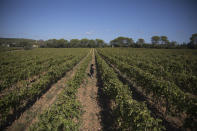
point(88, 98)
point(30, 116)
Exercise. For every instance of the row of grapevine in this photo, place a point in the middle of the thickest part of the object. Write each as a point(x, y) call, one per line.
point(66, 112)
point(18, 99)
point(18, 66)
point(185, 81)
point(128, 113)
point(176, 101)
point(173, 61)
point(24, 73)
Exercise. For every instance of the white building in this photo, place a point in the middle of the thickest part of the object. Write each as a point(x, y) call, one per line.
point(35, 46)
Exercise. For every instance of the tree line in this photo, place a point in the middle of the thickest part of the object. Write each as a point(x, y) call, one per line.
point(156, 42)
point(73, 43)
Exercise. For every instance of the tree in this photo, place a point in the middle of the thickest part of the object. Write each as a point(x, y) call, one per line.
point(91, 44)
point(74, 43)
point(164, 40)
point(155, 39)
point(140, 42)
point(24, 44)
point(84, 42)
point(62, 43)
point(99, 43)
point(51, 43)
point(173, 44)
point(193, 41)
point(122, 42)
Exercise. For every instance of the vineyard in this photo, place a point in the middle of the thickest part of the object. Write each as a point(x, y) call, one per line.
point(167, 78)
point(133, 89)
point(26, 75)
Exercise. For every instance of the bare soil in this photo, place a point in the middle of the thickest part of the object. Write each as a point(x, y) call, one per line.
point(87, 95)
point(30, 116)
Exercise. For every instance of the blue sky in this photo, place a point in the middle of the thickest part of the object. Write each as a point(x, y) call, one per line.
point(105, 19)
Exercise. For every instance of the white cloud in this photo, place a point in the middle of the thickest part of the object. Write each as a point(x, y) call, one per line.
point(89, 33)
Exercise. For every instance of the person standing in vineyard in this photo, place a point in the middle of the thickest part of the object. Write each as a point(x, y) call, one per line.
point(92, 71)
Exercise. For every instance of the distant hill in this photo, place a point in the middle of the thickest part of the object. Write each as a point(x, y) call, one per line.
point(16, 42)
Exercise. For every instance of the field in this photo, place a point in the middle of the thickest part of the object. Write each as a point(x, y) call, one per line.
point(131, 89)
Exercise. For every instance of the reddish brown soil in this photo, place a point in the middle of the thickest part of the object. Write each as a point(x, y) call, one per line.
point(88, 97)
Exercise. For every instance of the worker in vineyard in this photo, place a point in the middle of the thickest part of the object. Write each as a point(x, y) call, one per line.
point(92, 71)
